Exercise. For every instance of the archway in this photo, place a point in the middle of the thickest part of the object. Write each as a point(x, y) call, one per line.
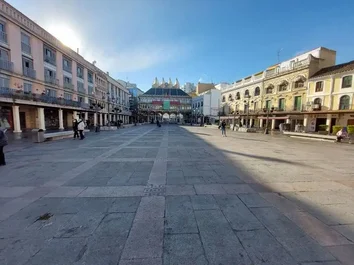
point(165, 117)
point(173, 118)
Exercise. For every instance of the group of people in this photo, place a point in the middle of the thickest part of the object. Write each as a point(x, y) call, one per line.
point(78, 128)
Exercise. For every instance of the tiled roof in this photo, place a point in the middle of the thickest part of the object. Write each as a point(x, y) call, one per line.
point(165, 92)
point(336, 69)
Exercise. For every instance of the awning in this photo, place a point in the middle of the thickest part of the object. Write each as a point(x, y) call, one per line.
point(274, 118)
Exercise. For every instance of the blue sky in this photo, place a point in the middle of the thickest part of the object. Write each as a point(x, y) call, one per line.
point(218, 40)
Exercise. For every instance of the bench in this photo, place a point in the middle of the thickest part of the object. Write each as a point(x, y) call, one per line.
point(316, 137)
point(59, 135)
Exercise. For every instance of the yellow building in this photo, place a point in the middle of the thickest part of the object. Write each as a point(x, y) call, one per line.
point(285, 90)
point(330, 97)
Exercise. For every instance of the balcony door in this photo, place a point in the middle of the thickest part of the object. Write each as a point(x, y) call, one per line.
point(297, 103)
point(4, 55)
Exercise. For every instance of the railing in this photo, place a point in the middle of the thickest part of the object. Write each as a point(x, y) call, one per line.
point(69, 86)
point(296, 65)
point(7, 65)
point(21, 95)
point(67, 68)
point(26, 48)
point(29, 72)
point(50, 59)
point(51, 80)
point(3, 37)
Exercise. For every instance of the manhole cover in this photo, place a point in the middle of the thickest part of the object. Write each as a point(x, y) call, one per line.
point(155, 190)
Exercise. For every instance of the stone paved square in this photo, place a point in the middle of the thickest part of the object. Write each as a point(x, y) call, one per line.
point(177, 195)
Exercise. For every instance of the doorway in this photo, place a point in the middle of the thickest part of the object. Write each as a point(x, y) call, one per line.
point(23, 120)
point(320, 121)
point(333, 122)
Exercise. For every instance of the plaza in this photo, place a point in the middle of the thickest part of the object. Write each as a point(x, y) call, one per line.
point(177, 195)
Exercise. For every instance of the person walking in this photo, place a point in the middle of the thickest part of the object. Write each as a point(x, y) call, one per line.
point(81, 128)
point(76, 129)
point(3, 143)
point(223, 128)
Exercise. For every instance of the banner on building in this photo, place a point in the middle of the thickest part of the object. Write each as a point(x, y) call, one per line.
point(166, 105)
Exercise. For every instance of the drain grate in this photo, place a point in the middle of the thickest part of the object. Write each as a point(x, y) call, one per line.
point(155, 190)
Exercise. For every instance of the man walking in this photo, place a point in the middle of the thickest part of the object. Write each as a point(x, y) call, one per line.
point(81, 128)
point(75, 129)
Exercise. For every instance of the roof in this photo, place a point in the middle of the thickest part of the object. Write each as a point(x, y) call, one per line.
point(336, 69)
point(165, 92)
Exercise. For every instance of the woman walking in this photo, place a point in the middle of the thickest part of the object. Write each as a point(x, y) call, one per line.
point(3, 143)
point(75, 128)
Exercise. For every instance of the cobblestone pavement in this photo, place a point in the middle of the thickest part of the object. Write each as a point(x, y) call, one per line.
point(178, 195)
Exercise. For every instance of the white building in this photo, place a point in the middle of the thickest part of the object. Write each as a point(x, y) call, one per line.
point(205, 107)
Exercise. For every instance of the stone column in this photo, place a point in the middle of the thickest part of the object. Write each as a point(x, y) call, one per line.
point(86, 116)
point(75, 114)
point(95, 119)
point(61, 120)
point(41, 119)
point(261, 123)
point(273, 124)
point(287, 120)
point(16, 118)
point(101, 119)
point(242, 121)
point(250, 123)
point(328, 122)
point(305, 122)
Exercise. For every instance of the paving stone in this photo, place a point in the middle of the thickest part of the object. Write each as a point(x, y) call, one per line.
point(345, 230)
point(81, 225)
point(183, 249)
point(264, 249)
point(83, 205)
point(237, 213)
point(209, 189)
point(59, 251)
point(204, 202)
point(152, 261)
point(254, 200)
point(220, 243)
point(125, 205)
point(322, 233)
point(66, 192)
point(322, 263)
point(180, 190)
point(237, 188)
point(345, 253)
point(179, 215)
point(280, 202)
point(115, 225)
point(12, 192)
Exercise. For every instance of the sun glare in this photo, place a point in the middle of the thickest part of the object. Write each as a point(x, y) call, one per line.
point(66, 35)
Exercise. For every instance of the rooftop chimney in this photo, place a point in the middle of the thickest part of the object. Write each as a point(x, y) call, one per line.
point(77, 51)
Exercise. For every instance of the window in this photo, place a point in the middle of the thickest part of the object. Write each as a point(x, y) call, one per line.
point(297, 103)
point(255, 105)
point(80, 71)
point(230, 97)
point(269, 90)
point(247, 93)
point(223, 98)
point(89, 77)
point(25, 43)
point(51, 93)
point(67, 96)
point(2, 26)
point(319, 86)
point(90, 90)
point(281, 105)
point(344, 102)
point(4, 82)
point(347, 81)
point(257, 91)
point(283, 86)
point(80, 87)
point(67, 80)
point(4, 55)
point(238, 96)
point(3, 36)
point(27, 87)
point(81, 99)
point(299, 83)
point(49, 73)
point(317, 101)
point(268, 104)
point(66, 65)
point(49, 55)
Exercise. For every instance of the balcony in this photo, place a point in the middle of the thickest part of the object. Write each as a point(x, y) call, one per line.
point(26, 48)
point(81, 90)
point(50, 59)
point(7, 65)
point(29, 72)
point(279, 71)
point(69, 86)
point(51, 80)
point(3, 37)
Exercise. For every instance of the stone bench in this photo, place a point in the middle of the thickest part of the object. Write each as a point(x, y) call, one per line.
point(316, 137)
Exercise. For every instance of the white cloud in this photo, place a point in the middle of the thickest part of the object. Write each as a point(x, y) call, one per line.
point(135, 58)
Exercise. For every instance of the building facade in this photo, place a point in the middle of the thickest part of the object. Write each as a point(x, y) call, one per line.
point(281, 88)
point(205, 107)
point(189, 87)
point(330, 97)
point(165, 102)
point(44, 84)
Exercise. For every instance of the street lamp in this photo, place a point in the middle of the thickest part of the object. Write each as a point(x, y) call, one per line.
point(247, 103)
point(235, 112)
point(267, 111)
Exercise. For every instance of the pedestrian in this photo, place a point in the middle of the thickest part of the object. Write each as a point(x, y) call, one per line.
point(223, 128)
point(75, 129)
point(81, 128)
point(341, 134)
point(3, 143)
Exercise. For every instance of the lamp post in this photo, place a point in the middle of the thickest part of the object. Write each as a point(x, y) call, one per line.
point(97, 106)
point(267, 111)
point(247, 103)
point(235, 112)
